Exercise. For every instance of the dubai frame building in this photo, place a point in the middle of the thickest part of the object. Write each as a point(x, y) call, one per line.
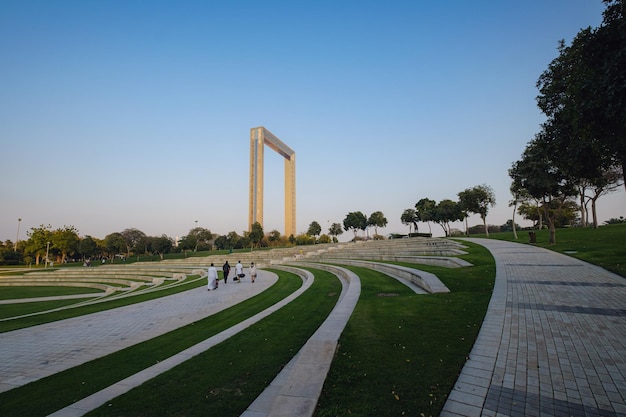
point(259, 137)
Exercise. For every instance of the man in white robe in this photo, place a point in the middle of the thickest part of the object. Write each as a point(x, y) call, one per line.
point(212, 277)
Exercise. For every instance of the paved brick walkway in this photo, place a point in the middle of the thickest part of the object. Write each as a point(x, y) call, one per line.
point(553, 342)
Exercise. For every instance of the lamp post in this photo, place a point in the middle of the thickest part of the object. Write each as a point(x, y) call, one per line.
point(47, 251)
point(17, 236)
point(195, 237)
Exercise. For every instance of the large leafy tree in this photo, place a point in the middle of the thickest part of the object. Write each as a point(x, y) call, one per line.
point(355, 221)
point(538, 174)
point(477, 200)
point(256, 234)
point(37, 243)
point(583, 94)
point(446, 212)
point(160, 245)
point(314, 229)
point(65, 240)
point(198, 237)
point(610, 181)
point(87, 247)
point(274, 236)
point(135, 239)
point(409, 217)
point(335, 230)
point(377, 219)
point(425, 211)
point(519, 196)
point(114, 243)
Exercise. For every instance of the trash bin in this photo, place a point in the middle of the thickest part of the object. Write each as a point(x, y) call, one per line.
point(532, 236)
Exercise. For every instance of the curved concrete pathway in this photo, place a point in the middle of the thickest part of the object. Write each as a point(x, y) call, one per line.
point(553, 342)
point(32, 353)
point(294, 389)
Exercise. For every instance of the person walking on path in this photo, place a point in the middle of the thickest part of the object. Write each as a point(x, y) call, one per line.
point(238, 272)
point(226, 271)
point(252, 272)
point(212, 278)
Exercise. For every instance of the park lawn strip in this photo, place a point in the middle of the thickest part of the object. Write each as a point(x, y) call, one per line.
point(42, 397)
point(227, 378)
point(401, 352)
point(18, 292)
point(47, 316)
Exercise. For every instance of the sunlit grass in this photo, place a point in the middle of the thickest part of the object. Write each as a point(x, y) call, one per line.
point(401, 353)
point(49, 394)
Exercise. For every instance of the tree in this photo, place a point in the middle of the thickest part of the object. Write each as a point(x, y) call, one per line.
point(203, 237)
point(583, 94)
point(519, 196)
point(135, 241)
point(465, 200)
point(377, 219)
point(335, 230)
point(37, 243)
point(445, 212)
point(87, 247)
point(531, 211)
point(197, 238)
point(425, 211)
point(65, 241)
point(9, 253)
point(607, 87)
point(114, 243)
point(256, 233)
point(409, 217)
point(161, 245)
point(234, 240)
point(542, 179)
point(355, 220)
point(274, 236)
point(220, 242)
point(610, 181)
point(304, 239)
point(314, 229)
point(324, 239)
point(477, 200)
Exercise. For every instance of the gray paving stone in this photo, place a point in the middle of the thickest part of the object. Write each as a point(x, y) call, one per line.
point(563, 337)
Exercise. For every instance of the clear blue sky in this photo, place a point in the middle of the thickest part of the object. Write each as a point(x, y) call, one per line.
point(120, 114)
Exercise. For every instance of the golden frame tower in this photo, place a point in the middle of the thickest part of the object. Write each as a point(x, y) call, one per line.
point(259, 137)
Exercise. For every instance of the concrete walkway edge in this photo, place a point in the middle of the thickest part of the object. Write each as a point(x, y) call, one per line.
point(99, 398)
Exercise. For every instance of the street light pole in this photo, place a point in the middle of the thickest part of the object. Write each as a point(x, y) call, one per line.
point(17, 236)
point(47, 251)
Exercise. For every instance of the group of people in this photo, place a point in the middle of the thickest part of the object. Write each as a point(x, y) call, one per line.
point(239, 274)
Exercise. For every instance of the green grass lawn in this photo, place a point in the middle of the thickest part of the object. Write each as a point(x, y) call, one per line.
point(401, 352)
point(226, 379)
point(12, 293)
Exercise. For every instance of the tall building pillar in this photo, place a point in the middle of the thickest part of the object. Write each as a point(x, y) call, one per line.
point(259, 137)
